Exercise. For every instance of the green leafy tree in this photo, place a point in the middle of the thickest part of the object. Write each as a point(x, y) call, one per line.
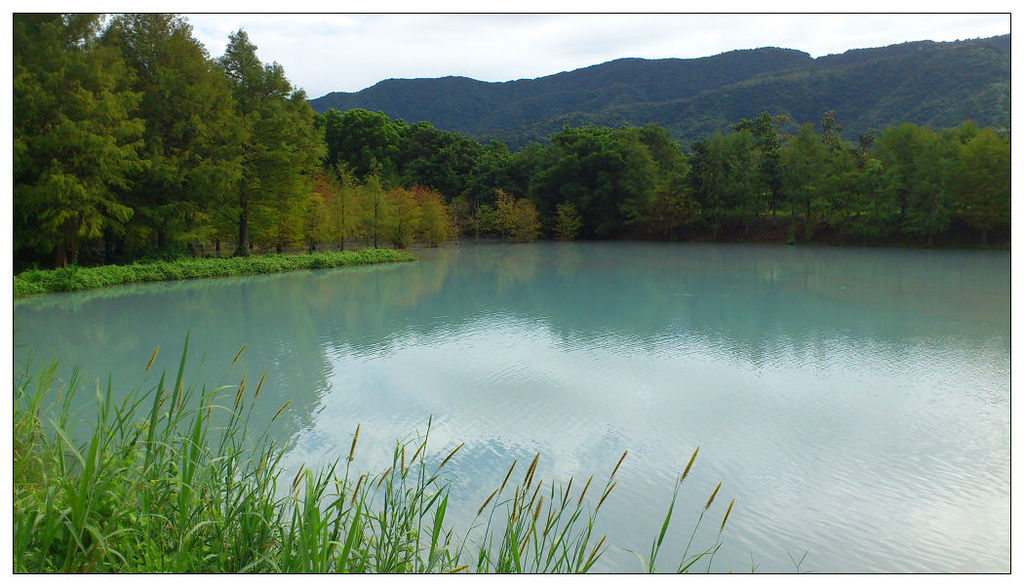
point(75, 140)
point(982, 182)
point(765, 130)
point(344, 206)
point(722, 174)
point(916, 167)
point(281, 145)
point(804, 167)
point(192, 138)
point(315, 222)
point(375, 208)
point(404, 221)
point(367, 142)
point(567, 222)
point(443, 161)
point(526, 226)
point(435, 225)
point(609, 175)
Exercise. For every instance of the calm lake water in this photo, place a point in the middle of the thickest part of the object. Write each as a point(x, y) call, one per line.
point(854, 402)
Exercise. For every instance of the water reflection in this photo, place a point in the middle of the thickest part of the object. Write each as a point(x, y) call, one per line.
point(855, 402)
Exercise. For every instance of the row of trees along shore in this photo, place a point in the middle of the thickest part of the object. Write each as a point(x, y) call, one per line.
point(131, 142)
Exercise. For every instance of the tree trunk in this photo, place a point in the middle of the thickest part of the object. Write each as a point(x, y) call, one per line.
point(216, 246)
point(243, 228)
point(108, 248)
point(61, 259)
point(984, 237)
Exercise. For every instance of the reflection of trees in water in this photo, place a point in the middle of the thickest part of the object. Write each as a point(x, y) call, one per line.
point(752, 303)
point(568, 261)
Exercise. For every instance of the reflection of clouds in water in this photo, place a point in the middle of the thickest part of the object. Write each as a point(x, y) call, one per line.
point(833, 391)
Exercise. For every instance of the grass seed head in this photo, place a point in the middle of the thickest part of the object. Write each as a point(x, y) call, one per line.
point(713, 494)
point(686, 471)
point(281, 409)
point(623, 457)
point(152, 357)
point(726, 516)
point(487, 501)
point(355, 438)
point(450, 455)
point(606, 492)
point(507, 475)
point(240, 392)
point(584, 492)
point(259, 385)
point(239, 353)
point(529, 472)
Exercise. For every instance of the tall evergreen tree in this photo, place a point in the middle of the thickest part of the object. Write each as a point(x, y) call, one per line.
point(75, 140)
point(281, 144)
point(192, 137)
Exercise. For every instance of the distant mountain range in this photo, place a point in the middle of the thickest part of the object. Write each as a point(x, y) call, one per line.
point(928, 83)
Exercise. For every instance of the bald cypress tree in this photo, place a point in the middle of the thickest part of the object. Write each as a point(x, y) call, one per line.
point(281, 145)
point(192, 138)
point(76, 141)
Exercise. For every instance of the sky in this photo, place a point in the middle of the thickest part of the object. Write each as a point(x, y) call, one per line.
point(322, 53)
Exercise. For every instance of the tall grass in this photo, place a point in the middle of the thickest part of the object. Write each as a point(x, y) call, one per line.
point(172, 479)
point(36, 281)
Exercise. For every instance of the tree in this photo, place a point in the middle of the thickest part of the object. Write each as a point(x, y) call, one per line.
point(567, 222)
point(765, 130)
point(443, 161)
point(526, 227)
point(281, 144)
point(75, 141)
point(315, 221)
point(722, 170)
point(982, 182)
point(804, 172)
point(192, 138)
point(609, 175)
point(376, 209)
point(404, 221)
point(344, 206)
point(435, 219)
point(515, 218)
point(916, 167)
point(367, 142)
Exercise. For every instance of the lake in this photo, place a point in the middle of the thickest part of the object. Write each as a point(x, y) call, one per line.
point(853, 401)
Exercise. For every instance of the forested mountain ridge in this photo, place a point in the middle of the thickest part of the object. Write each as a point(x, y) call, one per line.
point(924, 82)
point(473, 107)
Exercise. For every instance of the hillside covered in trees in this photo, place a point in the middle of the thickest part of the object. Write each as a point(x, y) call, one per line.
point(927, 83)
point(131, 142)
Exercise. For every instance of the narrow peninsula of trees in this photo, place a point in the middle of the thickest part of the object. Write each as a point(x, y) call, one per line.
point(131, 142)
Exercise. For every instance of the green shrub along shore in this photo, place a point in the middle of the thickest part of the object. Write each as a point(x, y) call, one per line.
point(35, 281)
point(173, 479)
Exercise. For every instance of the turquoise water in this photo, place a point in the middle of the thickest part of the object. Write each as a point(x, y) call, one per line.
point(854, 402)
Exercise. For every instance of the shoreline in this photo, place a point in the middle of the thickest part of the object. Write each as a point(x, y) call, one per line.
point(40, 281)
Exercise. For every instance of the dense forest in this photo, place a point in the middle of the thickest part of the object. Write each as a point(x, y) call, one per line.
point(130, 142)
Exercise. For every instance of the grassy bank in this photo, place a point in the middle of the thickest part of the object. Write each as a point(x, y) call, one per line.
point(35, 281)
point(173, 479)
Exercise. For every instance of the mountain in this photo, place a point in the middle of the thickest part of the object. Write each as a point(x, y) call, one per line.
point(924, 82)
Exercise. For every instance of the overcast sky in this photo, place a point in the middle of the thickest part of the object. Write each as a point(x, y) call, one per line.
point(322, 53)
